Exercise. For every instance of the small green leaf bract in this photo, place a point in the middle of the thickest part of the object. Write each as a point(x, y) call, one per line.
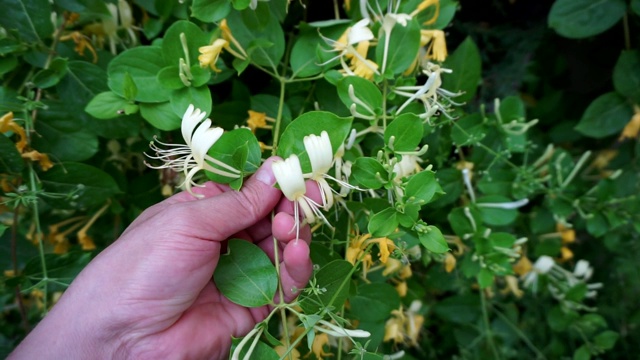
point(245, 275)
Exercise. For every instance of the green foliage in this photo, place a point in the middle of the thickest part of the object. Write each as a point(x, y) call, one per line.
point(452, 182)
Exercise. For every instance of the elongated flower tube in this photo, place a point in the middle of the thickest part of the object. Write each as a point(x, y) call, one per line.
point(192, 157)
point(288, 174)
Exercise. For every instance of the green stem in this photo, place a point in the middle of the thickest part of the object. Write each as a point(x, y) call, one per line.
point(520, 334)
point(627, 37)
point(487, 325)
point(276, 127)
point(36, 219)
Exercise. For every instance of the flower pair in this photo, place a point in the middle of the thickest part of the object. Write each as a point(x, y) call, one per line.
point(291, 179)
point(192, 157)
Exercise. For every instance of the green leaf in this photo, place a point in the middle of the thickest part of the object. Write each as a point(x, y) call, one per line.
point(512, 109)
point(462, 309)
point(64, 268)
point(49, 77)
point(82, 83)
point(466, 65)
point(245, 275)
point(10, 159)
point(403, 45)
point(582, 353)
point(239, 149)
point(303, 65)
point(626, 75)
point(364, 91)
point(485, 278)
point(334, 279)
point(606, 115)
point(578, 19)
point(383, 223)
point(433, 240)
point(240, 4)
point(369, 173)
point(422, 187)
point(250, 29)
point(61, 137)
point(161, 116)
point(143, 64)
point(169, 77)
point(210, 10)
point(606, 340)
point(469, 130)
point(106, 105)
point(200, 97)
point(407, 130)
point(374, 302)
point(85, 186)
point(635, 6)
point(31, 19)
point(172, 49)
point(313, 122)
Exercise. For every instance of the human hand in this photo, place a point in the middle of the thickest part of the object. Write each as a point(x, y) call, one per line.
point(150, 296)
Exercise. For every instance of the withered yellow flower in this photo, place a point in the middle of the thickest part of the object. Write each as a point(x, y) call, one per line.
point(632, 128)
point(319, 341)
point(523, 266)
point(449, 262)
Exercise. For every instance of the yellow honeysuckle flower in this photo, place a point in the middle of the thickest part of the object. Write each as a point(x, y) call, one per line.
point(567, 235)
point(42, 159)
point(82, 44)
point(209, 54)
point(405, 272)
point(7, 124)
point(391, 266)
point(402, 288)
point(386, 247)
point(523, 266)
point(317, 348)
point(449, 262)
point(437, 49)
point(258, 120)
point(228, 36)
point(565, 254)
point(632, 128)
point(425, 4)
point(512, 286)
point(394, 327)
point(294, 354)
point(364, 69)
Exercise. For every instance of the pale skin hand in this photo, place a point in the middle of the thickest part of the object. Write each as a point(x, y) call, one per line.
point(150, 296)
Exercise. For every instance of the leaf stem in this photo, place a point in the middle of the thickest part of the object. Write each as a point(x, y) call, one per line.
point(276, 127)
point(487, 325)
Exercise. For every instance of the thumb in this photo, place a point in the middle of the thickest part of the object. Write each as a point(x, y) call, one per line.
point(223, 215)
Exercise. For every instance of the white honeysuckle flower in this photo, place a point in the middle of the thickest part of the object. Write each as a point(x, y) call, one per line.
point(289, 177)
point(321, 156)
point(408, 165)
point(360, 32)
point(506, 205)
point(544, 264)
point(429, 93)
point(388, 22)
point(192, 157)
point(338, 331)
point(583, 270)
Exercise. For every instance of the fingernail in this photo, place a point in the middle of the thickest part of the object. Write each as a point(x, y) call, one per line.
point(265, 174)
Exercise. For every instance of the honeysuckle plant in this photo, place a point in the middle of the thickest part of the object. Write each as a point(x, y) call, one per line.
point(465, 209)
